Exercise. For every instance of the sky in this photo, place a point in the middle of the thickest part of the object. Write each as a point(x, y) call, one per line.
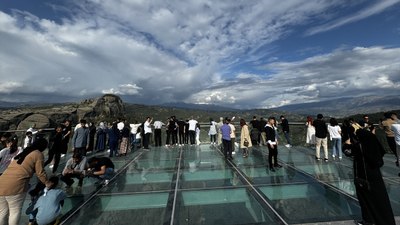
point(239, 54)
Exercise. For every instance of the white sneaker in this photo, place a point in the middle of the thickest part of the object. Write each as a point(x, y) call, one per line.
point(288, 145)
point(51, 166)
point(106, 182)
point(62, 155)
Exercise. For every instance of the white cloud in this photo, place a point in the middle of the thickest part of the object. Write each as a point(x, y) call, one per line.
point(343, 73)
point(162, 51)
point(376, 8)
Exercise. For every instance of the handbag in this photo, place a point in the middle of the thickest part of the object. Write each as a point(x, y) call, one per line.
point(246, 143)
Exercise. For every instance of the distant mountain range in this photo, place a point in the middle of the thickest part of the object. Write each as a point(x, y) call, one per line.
point(205, 107)
point(340, 107)
point(343, 107)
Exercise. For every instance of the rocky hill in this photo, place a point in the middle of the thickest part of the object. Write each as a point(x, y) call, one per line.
point(97, 109)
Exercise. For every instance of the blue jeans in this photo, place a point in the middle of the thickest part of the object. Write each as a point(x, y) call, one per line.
point(287, 136)
point(108, 174)
point(337, 147)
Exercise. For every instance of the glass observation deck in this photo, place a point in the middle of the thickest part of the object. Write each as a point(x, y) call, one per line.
point(196, 185)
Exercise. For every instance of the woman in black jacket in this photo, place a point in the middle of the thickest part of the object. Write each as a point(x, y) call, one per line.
point(371, 192)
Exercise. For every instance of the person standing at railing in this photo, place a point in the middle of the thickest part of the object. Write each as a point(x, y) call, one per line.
point(28, 139)
point(226, 139)
point(55, 150)
point(219, 134)
point(192, 130)
point(310, 138)
point(386, 125)
point(335, 134)
point(213, 132)
point(285, 130)
point(147, 133)
point(396, 131)
point(80, 139)
point(233, 135)
point(66, 132)
point(255, 132)
point(245, 140)
point(272, 145)
point(263, 139)
point(321, 133)
point(157, 133)
point(182, 134)
point(198, 142)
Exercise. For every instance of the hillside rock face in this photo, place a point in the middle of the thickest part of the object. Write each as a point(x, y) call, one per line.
point(106, 107)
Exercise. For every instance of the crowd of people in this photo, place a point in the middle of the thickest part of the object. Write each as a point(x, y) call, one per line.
point(18, 164)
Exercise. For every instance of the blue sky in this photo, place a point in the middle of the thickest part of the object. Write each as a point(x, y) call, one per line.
point(242, 54)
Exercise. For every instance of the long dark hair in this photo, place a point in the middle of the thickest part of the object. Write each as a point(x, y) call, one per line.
point(14, 143)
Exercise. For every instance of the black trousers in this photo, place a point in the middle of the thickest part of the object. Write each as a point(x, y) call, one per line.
point(157, 137)
point(67, 179)
point(192, 136)
point(56, 155)
point(181, 137)
point(146, 140)
point(227, 144)
point(272, 153)
point(392, 144)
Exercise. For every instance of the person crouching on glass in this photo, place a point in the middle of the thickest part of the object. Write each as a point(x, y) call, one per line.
point(101, 168)
point(74, 168)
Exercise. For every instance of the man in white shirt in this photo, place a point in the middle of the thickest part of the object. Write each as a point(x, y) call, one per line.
point(192, 130)
point(134, 127)
point(147, 133)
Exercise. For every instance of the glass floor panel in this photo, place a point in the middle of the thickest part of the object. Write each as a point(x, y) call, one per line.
point(196, 185)
point(310, 203)
point(123, 209)
point(224, 206)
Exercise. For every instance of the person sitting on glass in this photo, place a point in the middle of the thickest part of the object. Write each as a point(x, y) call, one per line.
point(101, 168)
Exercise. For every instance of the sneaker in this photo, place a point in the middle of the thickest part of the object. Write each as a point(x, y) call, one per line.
point(317, 158)
point(51, 166)
point(62, 155)
point(326, 159)
point(272, 169)
point(278, 166)
point(288, 146)
point(105, 183)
